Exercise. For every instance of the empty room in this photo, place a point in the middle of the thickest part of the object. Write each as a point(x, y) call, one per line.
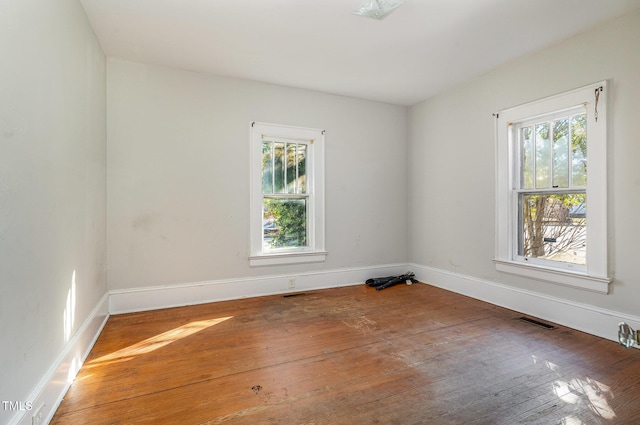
point(319, 212)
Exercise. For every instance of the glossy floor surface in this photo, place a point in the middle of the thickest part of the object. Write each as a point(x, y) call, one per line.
point(404, 355)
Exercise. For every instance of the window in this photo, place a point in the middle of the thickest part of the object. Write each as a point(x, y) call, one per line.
point(551, 163)
point(287, 195)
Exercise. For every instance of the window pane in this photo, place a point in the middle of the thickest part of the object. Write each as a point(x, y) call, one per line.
point(302, 168)
point(561, 153)
point(527, 157)
point(278, 167)
point(267, 168)
point(553, 227)
point(579, 150)
point(284, 223)
point(543, 156)
point(292, 168)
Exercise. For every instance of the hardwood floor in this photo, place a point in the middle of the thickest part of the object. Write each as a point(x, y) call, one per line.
point(405, 355)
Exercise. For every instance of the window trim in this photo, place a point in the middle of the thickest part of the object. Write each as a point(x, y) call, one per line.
point(593, 277)
point(315, 249)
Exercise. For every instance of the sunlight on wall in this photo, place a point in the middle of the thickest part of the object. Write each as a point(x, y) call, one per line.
point(156, 342)
point(68, 316)
point(581, 391)
point(74, 367)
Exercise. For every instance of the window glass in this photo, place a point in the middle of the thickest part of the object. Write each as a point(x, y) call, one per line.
point(267, 167)
point(561, 153)
point(284, 223)
point(526, 133)
point(553, 227)
point(302, 168)
point(278, 167)
point(579, 150)
point(543, 157)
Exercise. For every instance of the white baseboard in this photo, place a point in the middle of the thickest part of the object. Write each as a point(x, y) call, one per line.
point(583, 317)
point(55, 383)
point(152, 298)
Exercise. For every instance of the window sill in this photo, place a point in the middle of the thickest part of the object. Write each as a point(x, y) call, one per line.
point(287, 258)
point(562, 277)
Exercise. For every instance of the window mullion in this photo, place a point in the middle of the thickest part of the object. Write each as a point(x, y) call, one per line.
point(535, 155)
point(288, 196)
point(551, 147)
point(550, 190)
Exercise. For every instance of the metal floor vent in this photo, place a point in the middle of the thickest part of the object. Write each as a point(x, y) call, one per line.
point(536, 322)
point(299, 294)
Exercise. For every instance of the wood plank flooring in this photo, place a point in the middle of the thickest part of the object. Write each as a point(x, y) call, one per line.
point(405, 355)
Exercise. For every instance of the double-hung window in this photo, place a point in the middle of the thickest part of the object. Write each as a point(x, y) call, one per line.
point(287, 195)
point(551, 164)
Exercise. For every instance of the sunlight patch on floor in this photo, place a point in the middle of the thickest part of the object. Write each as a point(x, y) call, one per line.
point(156, 342)
point(581, 391)
point(548, 364)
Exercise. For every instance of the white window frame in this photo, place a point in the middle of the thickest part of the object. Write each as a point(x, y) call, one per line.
point(593, 277)
point(315, 249)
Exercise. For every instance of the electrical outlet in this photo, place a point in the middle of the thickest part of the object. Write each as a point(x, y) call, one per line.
point(292, 282)
point(38, 416)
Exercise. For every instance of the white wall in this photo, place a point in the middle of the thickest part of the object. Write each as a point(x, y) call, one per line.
point(52, 187)
point(451, 161)
point(178, 176)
